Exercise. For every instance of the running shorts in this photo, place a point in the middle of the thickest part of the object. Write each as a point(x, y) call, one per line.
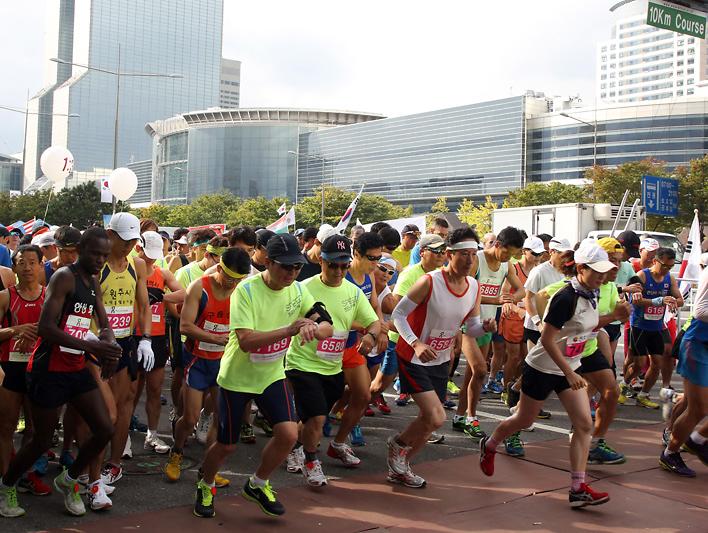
point(129, 359)
point(54, 389)
point(484, 339)
point(496, 335)
point(15, 379)
point(419, 378)
point(352, 358)
point(693, 362)
point(315, 394)
point(538, 385)
point(614, 331)
point(644, 342)
point(532, 335)
point(594, 362)
point(375, 360)
point(175, 342)
point(199, 373)
point(512, 330)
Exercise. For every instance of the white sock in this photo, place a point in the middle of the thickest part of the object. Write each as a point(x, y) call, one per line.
point(151, 434)
point(68, 478)
point(471, 419)
point(669, 452)
point(594, 442)
point(258, 482)
point(336, 444)
point(698, 438)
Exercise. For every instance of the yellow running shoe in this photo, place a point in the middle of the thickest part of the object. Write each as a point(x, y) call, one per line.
point(645, 401)
point(220, 481)
point(173, 468)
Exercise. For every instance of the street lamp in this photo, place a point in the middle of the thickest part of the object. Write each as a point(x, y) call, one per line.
point(316, 158)
point(593, 125)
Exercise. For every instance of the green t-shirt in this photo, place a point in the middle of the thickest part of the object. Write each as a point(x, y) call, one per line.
point(257, 307)
point(625, 272)
point(401, 255)
point(346, 304)
point(406, 279)
point(188, 273)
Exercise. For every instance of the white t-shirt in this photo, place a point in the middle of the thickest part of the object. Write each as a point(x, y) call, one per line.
point(540, 277)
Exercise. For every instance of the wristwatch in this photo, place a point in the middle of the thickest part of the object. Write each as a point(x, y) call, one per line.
point(372, 335)
point(146, 336)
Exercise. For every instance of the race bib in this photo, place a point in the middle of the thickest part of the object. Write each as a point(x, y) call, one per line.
point(489, 290)
point(158, 312)
point(76, 326)
point(19, 357)
point(654, 312)
point(332, 348)
point(217, 329)
point(120, 319)
point(576, 344)
point(441, 341)
point(271, 352)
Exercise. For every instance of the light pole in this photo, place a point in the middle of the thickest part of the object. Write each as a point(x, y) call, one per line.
point(297, 170)
point(593, 125)
point(316, 158)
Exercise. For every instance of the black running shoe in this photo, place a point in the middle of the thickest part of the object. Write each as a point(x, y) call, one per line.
point(204, 500)
point(264, 497)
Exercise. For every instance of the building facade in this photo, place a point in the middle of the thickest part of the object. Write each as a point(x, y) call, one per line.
point(136, 36)
point(143, 171)
point(230, 84)
point(10, 174)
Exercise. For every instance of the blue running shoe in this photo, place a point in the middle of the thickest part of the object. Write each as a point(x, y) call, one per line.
point(66, 459)
point(495, 387)
point(603, 454)
point(327, 428)
point(500, 376)
point(40, 465)
point(514, 446)
point(485, 388)
point(397, 385)
point(357, 437)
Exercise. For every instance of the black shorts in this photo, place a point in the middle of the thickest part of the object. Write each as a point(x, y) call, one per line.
point(275, 403)
point(315, 394)
point(594, 363)
point(129, 359)
point(614, 331)
point(15, 379)
point(532, 335)
point(175, 342)
point(54, 389)
point(645, 342)
point(419, 378)
point(677, 344)
point(159, 348)
point(666, 336)
point(496, 336)
point(538, 385)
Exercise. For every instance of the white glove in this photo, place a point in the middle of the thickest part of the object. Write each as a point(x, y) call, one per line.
point(145, 354)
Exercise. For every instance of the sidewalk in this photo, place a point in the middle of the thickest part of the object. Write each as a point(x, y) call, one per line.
point(524, 495)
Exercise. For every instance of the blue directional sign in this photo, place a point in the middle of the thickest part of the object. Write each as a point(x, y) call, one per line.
point(660, 196)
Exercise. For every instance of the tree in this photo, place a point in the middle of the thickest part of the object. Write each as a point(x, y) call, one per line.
point(160, 213)
point(693, 191)
point(545, 193)
point(480, 216)
point(255, 212)
point(439, 207)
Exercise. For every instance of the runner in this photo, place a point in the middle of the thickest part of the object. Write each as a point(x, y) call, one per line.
point(428, 319)
point(57, 373)
point(47, 245)
point(409, 238)
point(314, 369)
point(260, 254)
point(312, 255)
point(67, 240)
point(439, 227)
point(266, 312)
point(183, 250)
point(569, 321)
point(205, 323)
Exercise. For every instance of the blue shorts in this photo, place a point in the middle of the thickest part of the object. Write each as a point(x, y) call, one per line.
point(389, 365)
point(199, 373)
point(275, 403)
point(693, 361)
point(375, 359)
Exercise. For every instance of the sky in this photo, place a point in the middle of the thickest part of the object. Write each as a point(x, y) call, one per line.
point(393, 57)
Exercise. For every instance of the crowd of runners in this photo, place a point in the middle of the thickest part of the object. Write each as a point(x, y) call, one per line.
point(300, 335)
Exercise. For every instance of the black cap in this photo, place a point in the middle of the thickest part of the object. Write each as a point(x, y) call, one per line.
point(336, 249)
point(17, 231)
point(264, 236)
point(4, 232)
point(284, 249)
point(630, 241)
point(410, 228)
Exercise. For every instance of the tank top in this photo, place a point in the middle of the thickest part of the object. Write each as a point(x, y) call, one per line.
point(367, 288)
point(118, 290)
point(156, 291)
point(651, 318)
point(213, 316)
point(490, 284)
point(522, 278)
point(20, 311)
point(437, 319)
point(48, 271)
point(75, 320)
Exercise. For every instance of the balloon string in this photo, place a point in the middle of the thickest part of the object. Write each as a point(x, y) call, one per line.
point(48, 200)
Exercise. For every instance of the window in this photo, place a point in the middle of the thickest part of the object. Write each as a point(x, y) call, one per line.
point(613, 65)
point(612, 74)
point(690, 61)
point(691, 51)
point(603, 95)
point(689, 71)
point(679, 42)
point(679, 73)
point(603, 58)
point(679, 53)
point(691, 40)
point(612, 84)
point(679, 93)
point(612, 93)
point(689, 81)
point(690, 91)
point(604, 49)
point(613, 56)
point(604, 67)
point(679, 83)
point(603, 85)
point(603, 77)
point(679, 63)
point(612, 47)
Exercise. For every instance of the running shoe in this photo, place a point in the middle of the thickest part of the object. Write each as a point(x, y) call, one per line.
point(111, 473)
point(514, 445)
point(403, 400)
point(163, 399)
point(449, 405)
point(603, 454)
point(397, 457)
point(97, 498)
point(459, 424)
point(513, 397)
point(474, 431)
point(593, 407)
point(637, 384)
point(137, 425)
point(495, 387)
point(295, 461)
point(83, 481)
point(344, 453)
point(128, 450)
point(409, 479)
point(699, 450)
point(156, 444)
point(204, 500)
point(436, 438)
point(645, 401)
point(666, 395)
point(666, 437)
point(397, 385)
point(356, 437)
point(219, 481)
point(247, 434)
point(625, 393)
point(327, 428)
point(486, 458)
point(369, 411)
point(41, 465)
point(335, 418)
point(543, 415)
point(202, 428)
point(673, 462)
point(66, 459)
point(313, 473)
point(382, 406)
point(20, 424)
point(33, 484)
point(261, 422)
point(264, 496)
point(173, 468)
point(485, 389)
point(9, 508)
point(72, 499)
point(452, 388)
point(586, 496)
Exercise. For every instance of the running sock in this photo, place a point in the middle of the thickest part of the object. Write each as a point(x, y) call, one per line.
point(310, 456)
point(698, 438)
point(471, 419)
point(576, 479)
point(258, 482)
point(491, 445)
point(338, 445)
point(594, 442)
point(67, 478)
point(152, 433)
point(669, 452)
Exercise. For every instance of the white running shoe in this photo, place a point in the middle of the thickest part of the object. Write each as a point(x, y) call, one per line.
point(128, 450)
point(83, 481)
point(409, 479)
point(202, 428)
point(313, 473)
point(97, 497)
point(156, 444)
point(9, 508)
point(296, 460)
point(345, 454)
point(111, 473)
point(397, 458)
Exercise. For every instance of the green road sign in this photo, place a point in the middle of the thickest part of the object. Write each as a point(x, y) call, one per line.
point(676, 18)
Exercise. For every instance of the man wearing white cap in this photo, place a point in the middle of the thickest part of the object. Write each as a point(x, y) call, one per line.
point(647, 252)
point(47, 244)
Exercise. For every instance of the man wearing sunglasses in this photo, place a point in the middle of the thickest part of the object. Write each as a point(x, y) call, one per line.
point(267, 311)
point(439, 227)
point(409, 238)
point(314, 369)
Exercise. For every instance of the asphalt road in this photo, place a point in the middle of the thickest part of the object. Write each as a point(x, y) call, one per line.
point(143, 487)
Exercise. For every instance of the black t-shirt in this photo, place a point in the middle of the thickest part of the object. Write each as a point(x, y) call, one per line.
point(309, 270)
point(561, 307)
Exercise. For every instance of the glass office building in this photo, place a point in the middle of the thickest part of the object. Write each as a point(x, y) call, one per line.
point(250, 152)
point(10, 173)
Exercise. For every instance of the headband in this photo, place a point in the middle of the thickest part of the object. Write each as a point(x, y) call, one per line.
point(215, 250)
point(230, 272)
point(463, 245)
point(200, 242)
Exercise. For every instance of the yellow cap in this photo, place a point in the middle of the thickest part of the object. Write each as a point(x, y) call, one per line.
point(610, 245)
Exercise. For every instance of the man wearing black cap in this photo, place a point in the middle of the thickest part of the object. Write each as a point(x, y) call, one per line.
point(409, 237)
point(630, 241)
point(258, 259)
point(267, 311)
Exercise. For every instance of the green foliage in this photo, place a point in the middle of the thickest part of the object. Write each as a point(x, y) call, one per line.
point(545, 193)
point(439, 207)
point(255, 212)
point(479, 216)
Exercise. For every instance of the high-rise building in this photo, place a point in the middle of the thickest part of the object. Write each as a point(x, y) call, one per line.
point(10, 173)
point(230, 83)
point(167, 37)
point(641, 62)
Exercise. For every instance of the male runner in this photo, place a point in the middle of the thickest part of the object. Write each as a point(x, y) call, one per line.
point(409, 238)
point(312, 254)
point(439, 227)
point(67, 239)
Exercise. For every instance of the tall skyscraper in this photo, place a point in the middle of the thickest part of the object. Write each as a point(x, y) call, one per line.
point(180, 37)
point(640, 62)
point(230, 85)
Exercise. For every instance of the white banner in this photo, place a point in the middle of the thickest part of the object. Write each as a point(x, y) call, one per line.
point(398, 223)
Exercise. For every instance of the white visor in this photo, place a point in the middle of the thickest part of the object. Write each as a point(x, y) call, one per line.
point(463, 245)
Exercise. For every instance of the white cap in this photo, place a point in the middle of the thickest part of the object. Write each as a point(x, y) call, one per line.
point(152, 245)
point(389, 262)
point(594, 256)
point(182, 240)
point(534, 244)
point(325, 231)
point(126, 225)
point(44, 239)
point(559, 245)
point(649, 245)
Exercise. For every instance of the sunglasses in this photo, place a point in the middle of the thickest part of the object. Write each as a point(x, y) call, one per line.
point(290, 268)
point(339, 266)
point(439, 251)
point(374, 258)
point(536, 254)
point(386, 270)
point(415, 234)
point(664, 265)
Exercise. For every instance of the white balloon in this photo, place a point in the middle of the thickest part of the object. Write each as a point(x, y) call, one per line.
point(123, 183)
point(56, 163)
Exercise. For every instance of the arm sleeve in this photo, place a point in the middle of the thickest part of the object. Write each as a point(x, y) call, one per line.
point(560, 308)
point(400, 319)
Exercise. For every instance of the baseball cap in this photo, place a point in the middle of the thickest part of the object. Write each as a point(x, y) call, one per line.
point(431, 240)
point(4, 232)
point(649, 245)
point(559, 245)
point(17, 231)
point(182, 240)
point(284, 248)
point(264, 236)
point(630, 241)
point(126, 225)
point(389, 262)
point(325, 231)
point(336, 249)
point(299, 232)
point(410, 228)
point(45, 239)
point(152, 245)
point(534, 244)
point(594, 256)
point(165, 235)
point(610, 245)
